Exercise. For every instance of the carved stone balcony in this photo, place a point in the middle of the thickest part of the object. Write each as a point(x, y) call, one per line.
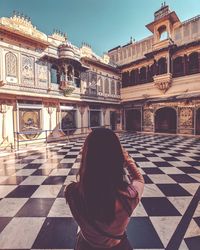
point(67, 87)
point(163, 82)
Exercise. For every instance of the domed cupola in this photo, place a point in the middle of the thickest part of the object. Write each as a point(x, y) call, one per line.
point(67, 51)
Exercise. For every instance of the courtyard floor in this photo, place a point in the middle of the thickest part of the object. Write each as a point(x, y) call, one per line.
point(34, 215)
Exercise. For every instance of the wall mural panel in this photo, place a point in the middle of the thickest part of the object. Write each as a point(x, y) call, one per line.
point(42, 73)
point(11, 64)
point(148, 118)
point(11, 67)
point(95, 118)
point(29, 120)
point(92, 84)
point(186, 117)
point(68, 121)
point(27, 70)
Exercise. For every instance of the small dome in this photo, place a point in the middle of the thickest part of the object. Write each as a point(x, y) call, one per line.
point(67, 50)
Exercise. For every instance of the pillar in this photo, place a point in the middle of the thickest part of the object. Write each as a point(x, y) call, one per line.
point(81, 110)
point(50, 111)
point(3, 110)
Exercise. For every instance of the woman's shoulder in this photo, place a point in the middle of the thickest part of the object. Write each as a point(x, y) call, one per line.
point(129, 192)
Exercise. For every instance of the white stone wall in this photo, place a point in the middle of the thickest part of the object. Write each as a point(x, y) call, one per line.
point(181, 85)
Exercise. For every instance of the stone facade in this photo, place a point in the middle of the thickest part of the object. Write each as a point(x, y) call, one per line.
point(48, 85)
point(161, 75)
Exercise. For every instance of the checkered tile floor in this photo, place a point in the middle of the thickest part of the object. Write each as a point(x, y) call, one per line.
point(34, 215)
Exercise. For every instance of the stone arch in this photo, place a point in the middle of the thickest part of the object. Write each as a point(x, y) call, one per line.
point(178, 66)
point(143, 75)
point(165, 120)
point(162, 66)
point(193, 63)
point(163, 33)
point(54, 74)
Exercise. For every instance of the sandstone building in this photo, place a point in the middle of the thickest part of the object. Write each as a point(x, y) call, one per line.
point(48, 84)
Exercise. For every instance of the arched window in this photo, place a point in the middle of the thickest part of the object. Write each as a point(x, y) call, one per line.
point(11, 64)
point(162, 66)
point(193, 63)
point(163, 34)
point(100, 85)
point(132, 77)
point(55, 78)
point(112, 87)
point(143, 76)
point(106, 86)
point(125, 79)
point(178, 69)
point(151, 73)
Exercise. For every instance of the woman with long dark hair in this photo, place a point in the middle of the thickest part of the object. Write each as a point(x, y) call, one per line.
point(102, 199)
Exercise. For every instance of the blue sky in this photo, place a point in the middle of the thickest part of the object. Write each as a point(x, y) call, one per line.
point(103, 24)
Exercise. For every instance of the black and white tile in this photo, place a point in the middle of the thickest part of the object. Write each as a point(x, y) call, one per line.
point(32, 205)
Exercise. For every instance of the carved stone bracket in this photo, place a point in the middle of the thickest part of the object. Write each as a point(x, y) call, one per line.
point(67, 88)
point(3, 108)
point(163, 82)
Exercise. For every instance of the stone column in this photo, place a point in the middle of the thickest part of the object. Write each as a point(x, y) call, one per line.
point(50, 111)
point(58, 116)
point(3, 110)
point(168, 63)
point(81, 110)
point(15, 121)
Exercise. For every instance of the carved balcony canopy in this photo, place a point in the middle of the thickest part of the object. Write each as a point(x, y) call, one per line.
point(163, 82)
point(164, 13)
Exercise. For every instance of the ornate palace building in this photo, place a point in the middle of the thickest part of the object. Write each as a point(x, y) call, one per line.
point(46, 83)
point(161, 76)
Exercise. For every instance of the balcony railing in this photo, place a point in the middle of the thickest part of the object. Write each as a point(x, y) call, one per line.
point(47, 136)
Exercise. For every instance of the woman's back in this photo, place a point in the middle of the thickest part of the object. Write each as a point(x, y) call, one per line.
point(101, 202)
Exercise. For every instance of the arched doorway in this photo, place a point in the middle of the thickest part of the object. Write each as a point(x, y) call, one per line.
point(165, 120)
point(198, 122)
point(133, 120)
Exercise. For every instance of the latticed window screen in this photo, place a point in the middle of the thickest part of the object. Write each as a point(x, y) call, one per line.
point(11, 64)
point(112, 87)
point(106, 86)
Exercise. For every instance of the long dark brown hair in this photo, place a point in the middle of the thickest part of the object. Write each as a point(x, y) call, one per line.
point(101, 174)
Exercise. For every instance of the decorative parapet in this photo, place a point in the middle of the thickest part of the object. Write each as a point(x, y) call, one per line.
point(21, 25)
point(163, 82)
